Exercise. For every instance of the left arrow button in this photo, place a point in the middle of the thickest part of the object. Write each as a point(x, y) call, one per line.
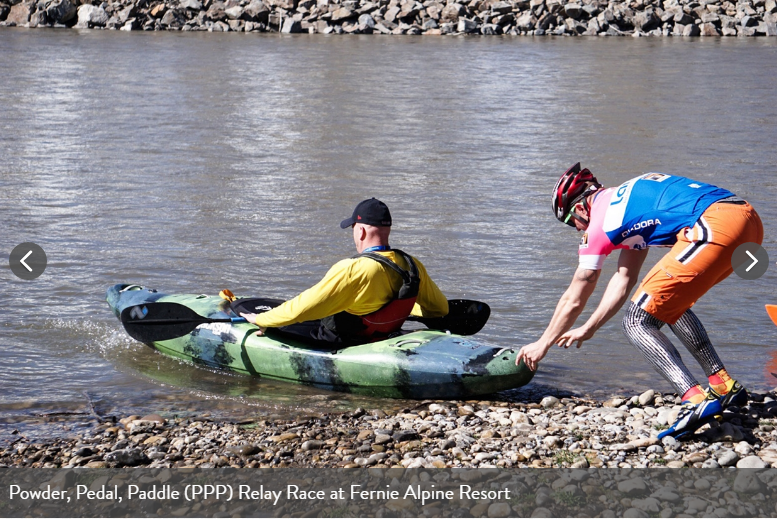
point(28, 260)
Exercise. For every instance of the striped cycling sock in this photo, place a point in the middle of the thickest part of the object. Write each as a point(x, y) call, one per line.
point(644, 332)
point(694, 337)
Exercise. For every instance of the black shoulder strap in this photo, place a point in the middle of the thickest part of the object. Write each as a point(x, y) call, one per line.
point(406, 276)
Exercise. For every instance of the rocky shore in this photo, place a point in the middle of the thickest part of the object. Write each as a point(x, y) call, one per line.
point(431, 17)
point(570, 432)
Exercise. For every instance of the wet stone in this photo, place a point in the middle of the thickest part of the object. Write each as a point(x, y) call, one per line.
point(403, 436)
point(311, 445)
point(728, 458)
point(751, 462)
point(646, 397)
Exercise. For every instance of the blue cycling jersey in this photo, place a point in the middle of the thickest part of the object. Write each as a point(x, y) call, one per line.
point(657, 206)
point(648, 210)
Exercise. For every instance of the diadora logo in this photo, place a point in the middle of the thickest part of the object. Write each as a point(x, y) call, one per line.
point(262, 308)
point(139, 312)
point(584, 241)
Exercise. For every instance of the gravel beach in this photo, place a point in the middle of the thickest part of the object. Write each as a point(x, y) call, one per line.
point(573, 432)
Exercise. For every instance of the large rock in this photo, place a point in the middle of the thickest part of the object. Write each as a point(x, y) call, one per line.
point(728, 458)
point(666, 494)
point(691, 30)
point(726, 432)
point(127, 457)
point(367, 21)
point(526, 21)
point(38, 18)
point(451, 12)
point(291, 26)
point(499, 510)
point(743, 449)
point(158, 11)
point(747, 482)
point(501, 7)
point(91, 16)
point(391, 14)
point(768, 455)
point(750, 462)
point(647, 397)
point(234, 13)
point(342, 14)
point(61, 11)
point(285, 4)
point(433, 11)
point(634, 487)
point(646, 21)
point(650, 505)
point(466, 25)
point(573, 10)
point(173, 18)
point(709, 29)
point(126, 13)
point(20, 13)
point(409, 11)
point(130, 25)
point(504, 20)
point(256, 11)
point(554, 6)
point(216, 12)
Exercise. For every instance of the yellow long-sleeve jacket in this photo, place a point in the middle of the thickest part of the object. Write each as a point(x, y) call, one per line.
point(358, 286)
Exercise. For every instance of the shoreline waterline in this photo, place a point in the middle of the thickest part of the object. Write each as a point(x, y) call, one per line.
point(410, 17)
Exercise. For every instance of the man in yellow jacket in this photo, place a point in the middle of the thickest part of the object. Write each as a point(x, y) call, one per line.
point(366, 297)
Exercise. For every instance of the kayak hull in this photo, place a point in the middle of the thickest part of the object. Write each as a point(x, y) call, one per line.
point(418, 365)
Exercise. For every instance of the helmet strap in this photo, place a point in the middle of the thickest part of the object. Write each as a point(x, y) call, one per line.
point(572, 213)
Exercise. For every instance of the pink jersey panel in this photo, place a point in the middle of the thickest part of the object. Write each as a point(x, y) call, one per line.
point(595, 245)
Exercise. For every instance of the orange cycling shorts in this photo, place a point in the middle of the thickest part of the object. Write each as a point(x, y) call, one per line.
point(699, 260)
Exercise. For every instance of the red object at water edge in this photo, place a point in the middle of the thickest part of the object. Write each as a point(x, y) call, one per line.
point(772, 311)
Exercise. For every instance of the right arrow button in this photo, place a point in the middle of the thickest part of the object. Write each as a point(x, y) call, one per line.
point(750, 261)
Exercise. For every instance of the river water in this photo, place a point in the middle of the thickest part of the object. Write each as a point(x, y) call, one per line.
point(191, 162)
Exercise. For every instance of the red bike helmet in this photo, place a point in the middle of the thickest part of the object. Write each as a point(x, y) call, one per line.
point(575, 184)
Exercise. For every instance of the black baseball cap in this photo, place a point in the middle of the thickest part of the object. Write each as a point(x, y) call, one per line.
point(369, 212)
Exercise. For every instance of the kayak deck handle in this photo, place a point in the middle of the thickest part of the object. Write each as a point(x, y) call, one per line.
point(409, 341)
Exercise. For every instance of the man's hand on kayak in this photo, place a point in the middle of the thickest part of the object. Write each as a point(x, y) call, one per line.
point(578, 335)
point(251, 318)
point(531, 354)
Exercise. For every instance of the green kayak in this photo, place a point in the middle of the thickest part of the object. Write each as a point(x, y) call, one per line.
point(418, 364)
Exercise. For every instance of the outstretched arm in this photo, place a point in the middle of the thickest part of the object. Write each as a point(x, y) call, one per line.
point(618, 290)
point(568, 309)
